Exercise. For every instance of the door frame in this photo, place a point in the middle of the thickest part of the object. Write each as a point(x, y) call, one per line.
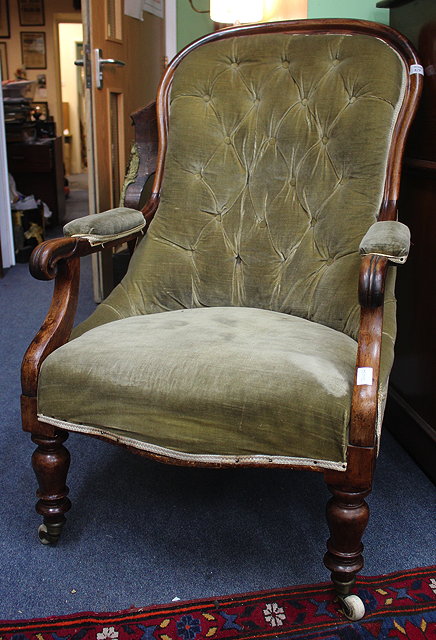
point(58, 18)
point(170, 29)
point(6, 232)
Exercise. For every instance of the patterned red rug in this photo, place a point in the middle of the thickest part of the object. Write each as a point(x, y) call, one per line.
point(399, 605)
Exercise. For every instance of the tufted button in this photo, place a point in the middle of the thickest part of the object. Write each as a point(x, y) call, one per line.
point(324, 140)
point(285, 64)
point(292, 182)
point(256, 100)
point(335, 62)
point(329, 261)
point(272, 141)
point(227, 140)
point(234, 65)
point(206, 97)
point(197, 176)
point(304, 102)
point(262, 223)
point(352, 99)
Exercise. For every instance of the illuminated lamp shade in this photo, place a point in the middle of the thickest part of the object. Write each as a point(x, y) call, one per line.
point(234, 11)
point(284, 10)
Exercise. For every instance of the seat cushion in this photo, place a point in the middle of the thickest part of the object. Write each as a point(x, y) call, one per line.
point(211, 384)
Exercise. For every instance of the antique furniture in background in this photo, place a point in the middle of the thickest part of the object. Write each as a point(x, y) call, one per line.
point(37, 168)
point(34, 152)
point(256, 323)
point(411, 409)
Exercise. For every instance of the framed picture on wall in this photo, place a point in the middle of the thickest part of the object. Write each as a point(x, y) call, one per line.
point(4, 61)
point(33, 51)
point(31, 13)
point(5, 30)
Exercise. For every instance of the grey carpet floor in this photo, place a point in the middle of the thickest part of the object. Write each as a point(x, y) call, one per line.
point(141, 532)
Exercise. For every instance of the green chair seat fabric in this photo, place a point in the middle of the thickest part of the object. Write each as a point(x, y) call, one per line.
point(220, 382)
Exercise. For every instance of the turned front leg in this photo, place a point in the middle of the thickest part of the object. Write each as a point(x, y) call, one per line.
point(347, 517)
point(50, 462)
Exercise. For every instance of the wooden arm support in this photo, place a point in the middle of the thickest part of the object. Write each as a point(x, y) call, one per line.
point(57, 259)
point(372, 281)
point(48, 255)
point(362, 437)
point(371, 297)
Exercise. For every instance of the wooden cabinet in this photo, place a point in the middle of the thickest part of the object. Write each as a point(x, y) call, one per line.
point(37, 169)
point(411, 409)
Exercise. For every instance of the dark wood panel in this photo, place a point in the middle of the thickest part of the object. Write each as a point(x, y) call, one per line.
point(411, 410)
point(413, 433)
point(38, 170)
point(414, 369)
point(23, 158)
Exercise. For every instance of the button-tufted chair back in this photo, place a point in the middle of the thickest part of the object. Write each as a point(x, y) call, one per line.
point(274, 171)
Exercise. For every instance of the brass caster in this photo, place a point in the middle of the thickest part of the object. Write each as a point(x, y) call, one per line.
point(352, 607)
point(49, 534)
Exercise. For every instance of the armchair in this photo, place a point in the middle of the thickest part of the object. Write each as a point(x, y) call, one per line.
point(256, 323)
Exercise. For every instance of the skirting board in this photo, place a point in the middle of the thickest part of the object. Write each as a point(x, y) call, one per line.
point(412, 432)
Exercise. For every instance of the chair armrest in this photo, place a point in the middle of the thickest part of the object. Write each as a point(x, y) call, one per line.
point(389, 239)
point(56, 259)
point(108, 226)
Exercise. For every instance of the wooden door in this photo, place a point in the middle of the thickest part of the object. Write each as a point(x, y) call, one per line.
point(133, 53)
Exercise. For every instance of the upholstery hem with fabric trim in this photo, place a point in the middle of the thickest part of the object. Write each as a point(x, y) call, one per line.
point(194, 457)
point(101, 239)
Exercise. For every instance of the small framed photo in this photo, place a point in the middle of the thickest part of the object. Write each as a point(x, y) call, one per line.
point(4, 61)
point(5, 29)
point(31, 13)
point(33, 50)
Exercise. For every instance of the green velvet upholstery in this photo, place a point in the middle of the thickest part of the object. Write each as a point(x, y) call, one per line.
point(389, 238)
point(274, 173)
point(106, 226)
point(220, 380)
point(272, 182)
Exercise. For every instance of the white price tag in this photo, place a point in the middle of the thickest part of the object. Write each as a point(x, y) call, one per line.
point(364, 376)
point(416, 68)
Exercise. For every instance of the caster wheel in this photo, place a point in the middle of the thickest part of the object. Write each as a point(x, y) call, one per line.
point(45, 537)
point(353, 607)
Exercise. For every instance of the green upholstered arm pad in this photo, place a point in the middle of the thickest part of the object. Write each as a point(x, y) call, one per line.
point(107, 226)
point(389, 238)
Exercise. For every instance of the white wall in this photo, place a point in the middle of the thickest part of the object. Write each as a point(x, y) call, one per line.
point(69, 34)
point(7, 240)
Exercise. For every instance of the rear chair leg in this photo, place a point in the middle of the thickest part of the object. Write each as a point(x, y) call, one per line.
point(347, 517)
point(50, 462)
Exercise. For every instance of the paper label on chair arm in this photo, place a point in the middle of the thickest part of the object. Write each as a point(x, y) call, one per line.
point(364, 376)
point(416, 68)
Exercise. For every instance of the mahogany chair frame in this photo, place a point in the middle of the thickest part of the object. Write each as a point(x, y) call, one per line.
point(347, 511)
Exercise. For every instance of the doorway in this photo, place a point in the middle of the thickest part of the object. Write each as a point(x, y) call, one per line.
point(72, 96)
